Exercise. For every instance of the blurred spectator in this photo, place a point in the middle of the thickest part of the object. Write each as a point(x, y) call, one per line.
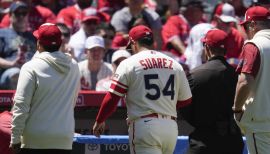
point(117, 57)
point(65, 39)
point(193, 11)
point(54, 5)
point(110, 6)
point(88, 28)
point(71, 15)
point(239, 7)
point(4, 8)
point(119, 41)
point(104, 84)
point(107, 31)
point(167, 8)
point(5, 132)
point(151, 4)
point(174, 33)
point(176, 30)
point(224, 11)
point(94, 68)
point(37, 16)
point(226, 21)
point(137, 14)
point(17, 45)
point(5, 3)
point(194, 52)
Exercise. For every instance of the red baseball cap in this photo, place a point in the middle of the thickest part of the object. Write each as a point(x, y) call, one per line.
point(90, 14)
point(137, 33)
point(48, 34)
point(119, 41)
point(225, 12)
point(256, 13)
point(90, 18)
point(215, 38)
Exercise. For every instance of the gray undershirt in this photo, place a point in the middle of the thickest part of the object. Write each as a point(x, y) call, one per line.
point(94, 80)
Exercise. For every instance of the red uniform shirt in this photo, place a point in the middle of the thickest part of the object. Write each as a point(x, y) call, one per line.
point(107, 5)
point(234, 44)
point(37, 16)
point(176, 26)
point(250, 60)
point(71, 16)
point(5, 132)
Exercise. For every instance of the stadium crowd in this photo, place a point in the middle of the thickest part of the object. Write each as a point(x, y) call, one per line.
point(95, 32)
point(177, 25)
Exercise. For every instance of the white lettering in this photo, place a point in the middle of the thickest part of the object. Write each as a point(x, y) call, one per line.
point(125, 147)
point(116, 147)
point(6, 100)
point(112, 147)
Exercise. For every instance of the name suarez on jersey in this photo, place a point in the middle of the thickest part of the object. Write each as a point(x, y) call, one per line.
point(150, 63)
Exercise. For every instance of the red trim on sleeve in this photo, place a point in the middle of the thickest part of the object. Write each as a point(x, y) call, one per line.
point(120, 83)
point(108, 106)
point(118, 89)
point(184, 103)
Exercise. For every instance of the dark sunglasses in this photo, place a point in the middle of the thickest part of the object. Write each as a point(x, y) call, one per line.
point(22, 13)
point(246, 26)
point(108, 36)
point(66, 34)
point(91, 22)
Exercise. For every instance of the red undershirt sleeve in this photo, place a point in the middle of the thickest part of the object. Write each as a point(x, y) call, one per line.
point(183, 103)
point(108, 106)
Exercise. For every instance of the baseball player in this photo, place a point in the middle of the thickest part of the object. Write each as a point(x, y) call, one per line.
point(155, 85)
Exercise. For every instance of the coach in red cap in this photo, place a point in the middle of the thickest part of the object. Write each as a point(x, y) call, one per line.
point(48, 85)
point(155, 85)
point(48, 35)
point(252, 92)
point(210, 113)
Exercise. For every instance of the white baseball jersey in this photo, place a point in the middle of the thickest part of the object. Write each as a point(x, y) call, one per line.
point(152, 82)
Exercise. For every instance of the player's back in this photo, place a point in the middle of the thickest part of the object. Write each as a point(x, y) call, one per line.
point(153, 81)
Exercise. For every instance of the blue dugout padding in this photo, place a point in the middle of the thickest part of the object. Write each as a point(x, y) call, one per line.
point(119, 144)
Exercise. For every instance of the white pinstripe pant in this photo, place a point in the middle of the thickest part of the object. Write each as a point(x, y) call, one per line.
point(153, 136)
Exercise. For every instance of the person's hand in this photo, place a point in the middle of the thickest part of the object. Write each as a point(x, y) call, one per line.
point(19, 61)
point(98, 128)
point(16, 148)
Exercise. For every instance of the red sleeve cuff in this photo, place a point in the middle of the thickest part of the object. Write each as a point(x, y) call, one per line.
point(184, 103)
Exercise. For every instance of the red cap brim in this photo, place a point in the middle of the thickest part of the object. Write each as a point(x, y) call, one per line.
point(203, 40)
point(89, 18)
point(35, 33)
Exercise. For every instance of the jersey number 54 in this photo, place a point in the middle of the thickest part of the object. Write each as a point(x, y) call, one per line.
point(168, 90)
